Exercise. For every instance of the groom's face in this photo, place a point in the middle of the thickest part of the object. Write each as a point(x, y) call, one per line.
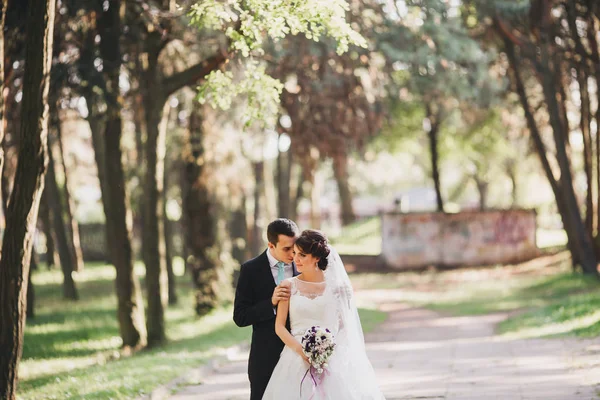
point(283, 250)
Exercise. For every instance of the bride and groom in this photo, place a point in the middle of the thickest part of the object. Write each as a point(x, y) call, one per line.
point(297, 283)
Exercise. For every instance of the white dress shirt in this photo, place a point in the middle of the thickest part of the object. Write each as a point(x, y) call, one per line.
point(288, 271)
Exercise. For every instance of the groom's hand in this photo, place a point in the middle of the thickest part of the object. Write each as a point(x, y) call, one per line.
point(281, 293)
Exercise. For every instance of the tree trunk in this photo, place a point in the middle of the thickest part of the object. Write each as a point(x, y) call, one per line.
point(482, 189)
point(29, 180)
point(259, 187)
point(238, 227)
point(75, 242)
point(97, 123)
point(172, 289)
point(201, 220)
point(298, 193)
point(340, 171)
point(310, 179)
point(30, 313)
point(433, 149)
point(130, 310)
point(47, 227)
point(153, 234)
point(578, 241)
point(582, 70)
point(283, 183)
point(595, 56)
point(548, 81)
point(514, 180)
point(59, 229)
point(153, 237)
point(3, 6)
point(540, 147)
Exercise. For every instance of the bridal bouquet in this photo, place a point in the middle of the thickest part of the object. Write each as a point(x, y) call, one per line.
point(318, 344)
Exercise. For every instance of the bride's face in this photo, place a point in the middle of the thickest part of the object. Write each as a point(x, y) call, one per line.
point(303, 260)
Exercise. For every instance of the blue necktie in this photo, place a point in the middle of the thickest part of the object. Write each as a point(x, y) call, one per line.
point(280, 275)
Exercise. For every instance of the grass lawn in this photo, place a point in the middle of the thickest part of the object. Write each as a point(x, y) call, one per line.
point(542, 301)
point(71, 349)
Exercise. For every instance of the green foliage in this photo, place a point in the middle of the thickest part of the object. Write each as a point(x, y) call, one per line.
point(247, 25)
point(431, 42)
point(260, 89)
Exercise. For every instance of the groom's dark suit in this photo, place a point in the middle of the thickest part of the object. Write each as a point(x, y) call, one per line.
point(253, 307)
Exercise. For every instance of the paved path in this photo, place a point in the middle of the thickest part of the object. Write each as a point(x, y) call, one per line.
point(419, 354)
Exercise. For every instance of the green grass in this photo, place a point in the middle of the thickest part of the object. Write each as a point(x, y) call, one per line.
point(71, 349)
point(362, 237)
point(370, 318)
point(542, 301)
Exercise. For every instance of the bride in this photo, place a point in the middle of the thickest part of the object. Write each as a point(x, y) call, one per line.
point(321, 296)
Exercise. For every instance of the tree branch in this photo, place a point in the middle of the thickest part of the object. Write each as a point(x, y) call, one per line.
point(194, 73)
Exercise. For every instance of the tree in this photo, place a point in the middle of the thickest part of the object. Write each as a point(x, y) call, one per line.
point(537, 63)
point(29, 183)
point(440, 65)
point(130, 309)
point(244, 33)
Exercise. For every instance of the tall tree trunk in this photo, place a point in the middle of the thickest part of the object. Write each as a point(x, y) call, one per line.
point(584, 124)
point(238, 227)
point(58, 226)
point(340, 171)
point(30, 313)
point(259, 188)
point(298, 193)
point(284, 163)
point(153, 234)
point(97, 123)
point(47, 227)
point(201, 220)
point(172, 289)
point(548, 81)
point(593, 28)
point(29, 179)
point(514, 180)
point(482, 189)
point(156, 91)
point(130, 310)
point(3, 6)
point(74, 242)
point(433, 133)
point(539, 146)
point(310, 180)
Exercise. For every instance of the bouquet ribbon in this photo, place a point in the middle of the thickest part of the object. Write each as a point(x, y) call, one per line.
point(316, 380)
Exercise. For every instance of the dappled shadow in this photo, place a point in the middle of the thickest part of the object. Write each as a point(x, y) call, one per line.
point(190, 352)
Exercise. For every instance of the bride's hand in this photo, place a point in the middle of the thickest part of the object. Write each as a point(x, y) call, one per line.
point(304, 357)
point(301, 353)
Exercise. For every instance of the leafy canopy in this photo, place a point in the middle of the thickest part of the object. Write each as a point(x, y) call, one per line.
point(248, 24)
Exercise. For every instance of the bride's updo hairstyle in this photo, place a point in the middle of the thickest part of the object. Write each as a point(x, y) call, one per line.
point(314, 242)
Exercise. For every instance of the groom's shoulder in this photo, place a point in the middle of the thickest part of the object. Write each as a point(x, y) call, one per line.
point(258, 260)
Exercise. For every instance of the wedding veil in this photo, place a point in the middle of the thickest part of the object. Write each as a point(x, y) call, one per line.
point(350, 343)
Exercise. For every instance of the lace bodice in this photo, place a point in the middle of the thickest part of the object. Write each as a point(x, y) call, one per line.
point(311, 304)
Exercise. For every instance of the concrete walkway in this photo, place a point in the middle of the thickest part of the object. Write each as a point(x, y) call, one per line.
point(419, 354)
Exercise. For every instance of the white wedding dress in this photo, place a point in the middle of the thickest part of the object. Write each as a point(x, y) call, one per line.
point(329, 304)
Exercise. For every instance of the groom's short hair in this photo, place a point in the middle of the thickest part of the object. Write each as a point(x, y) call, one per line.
point(281, 226)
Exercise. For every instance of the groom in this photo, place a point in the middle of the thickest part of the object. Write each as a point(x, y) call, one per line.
point(256, 297)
